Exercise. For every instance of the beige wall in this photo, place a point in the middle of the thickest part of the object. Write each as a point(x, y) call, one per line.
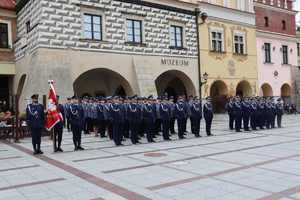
point(137, 73)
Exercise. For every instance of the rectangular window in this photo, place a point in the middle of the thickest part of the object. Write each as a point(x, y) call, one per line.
point(92, 27)
point(239, 44)
point(28, 28)
point(267, 47)
point(176, 36)
point(298, 49)
point(285, 55)
point(4, 35)
point(134, 31)
point(217, 41)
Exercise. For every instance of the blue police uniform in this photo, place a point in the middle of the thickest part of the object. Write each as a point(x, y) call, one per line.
point(133, 114)
point(253, 115)
point(117, 120)
point(196, 116)
point(164, 111)
point(77, 123)
point(101, 119)
point(230, 110)
point(181, 116)
point(279, 113)
point(149, 114)
point(35, 120)
point(208, 116)
point(246, 115)
point(238, 116)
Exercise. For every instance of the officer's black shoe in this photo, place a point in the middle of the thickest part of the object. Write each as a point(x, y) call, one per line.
point(197, 135)
point(181, 138)
point(35, 153)
point(60, 150)
point(76, 149)
point(55, 150)
point(209, 135)
point(40, 152)
point(80, 148)
point(238, 131)
point(168, 139)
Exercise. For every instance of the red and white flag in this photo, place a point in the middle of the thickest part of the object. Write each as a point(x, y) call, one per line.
point(54, 116)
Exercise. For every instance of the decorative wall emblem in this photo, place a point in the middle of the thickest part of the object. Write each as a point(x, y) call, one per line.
point(276, 73)
point(231, 68)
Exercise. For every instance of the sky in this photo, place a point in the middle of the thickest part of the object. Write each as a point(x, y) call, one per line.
point(297, 7)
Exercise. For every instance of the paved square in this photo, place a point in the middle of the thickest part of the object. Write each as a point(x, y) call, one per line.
point(260, 165)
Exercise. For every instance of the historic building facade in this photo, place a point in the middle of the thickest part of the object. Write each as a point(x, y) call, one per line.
point(296, 74)
point(276, 47)
point(228, 50)
point(106, 47)
point(7, 39)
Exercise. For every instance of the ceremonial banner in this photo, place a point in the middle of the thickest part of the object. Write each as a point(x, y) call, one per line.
point(53, 114)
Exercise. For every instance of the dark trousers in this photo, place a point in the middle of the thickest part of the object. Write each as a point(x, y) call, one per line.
point(180, 123)
point(149, 127)
point(126, 129)
point(158, 126)
point(246, 119)
point(172, 125)
point(261, 120)
point(253, 121)
point(109, 129)
point(68, 125)
point(166, 129)
point(117, 132)
point(134, 131)
point(208, 121)
point(195, 125)
point(101, 124)
point(238, 123)
point(184, 124)
point(231, 121)
point(58, 133)
point(36, 134)
point(76, 130)
point(273, 120)
point(279, 119)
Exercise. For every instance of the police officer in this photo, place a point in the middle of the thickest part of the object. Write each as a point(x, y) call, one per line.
point(273, 114)
point(172, 113)
point(58, 128)
point(77, 122)
point(149, 114)
point(181, 116)
point(268, 111)
point(238, 114)
point(279, 112)
point(208, 115)
point(35, 120)
point(117, 120)
point(101, 117)
point(196, 116)
point(253, 114)
point(164, 111)
point(133, 114)
point(261, 121)
point(230, 111)
point(67, 113)
point(246, 113)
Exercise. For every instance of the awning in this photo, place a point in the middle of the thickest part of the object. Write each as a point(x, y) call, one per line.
point(7, 69)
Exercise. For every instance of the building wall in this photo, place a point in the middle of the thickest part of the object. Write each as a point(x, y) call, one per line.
point(266, 71)
point(59, 52)
point(275, 20)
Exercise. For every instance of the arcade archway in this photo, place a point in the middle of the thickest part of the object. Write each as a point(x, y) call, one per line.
point(244, 89)
point(174, 83)
point(219, 93)
point(266, 90)
point(286, 92)
point(102, 82)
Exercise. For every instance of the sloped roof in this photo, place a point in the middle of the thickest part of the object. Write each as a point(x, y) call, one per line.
point(8, 4)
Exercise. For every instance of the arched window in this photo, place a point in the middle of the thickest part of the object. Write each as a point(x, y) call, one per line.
point(266, 22)
point(283, 25)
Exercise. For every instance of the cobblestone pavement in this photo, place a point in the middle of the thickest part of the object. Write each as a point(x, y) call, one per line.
point(261, 165)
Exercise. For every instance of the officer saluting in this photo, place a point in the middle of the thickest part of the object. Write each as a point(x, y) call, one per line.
point(208, 115)
point(77, 122)
point(35, 120)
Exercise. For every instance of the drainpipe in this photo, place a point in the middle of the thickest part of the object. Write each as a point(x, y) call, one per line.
point(197, 15)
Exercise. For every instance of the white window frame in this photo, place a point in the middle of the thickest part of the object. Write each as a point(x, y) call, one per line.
point(100, 13)
point(183, 26)
point(9, 31)
point(240, 34)
point(138, 18)
point(217, 30)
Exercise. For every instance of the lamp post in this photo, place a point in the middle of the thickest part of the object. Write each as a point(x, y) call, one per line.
point(203, 16)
